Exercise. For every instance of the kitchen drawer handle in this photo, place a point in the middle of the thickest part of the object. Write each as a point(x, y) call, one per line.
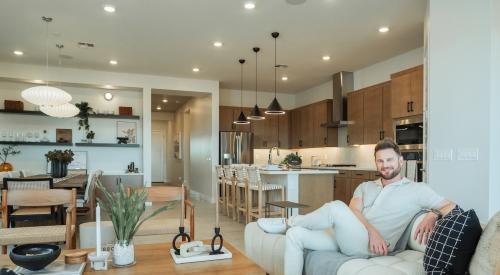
point(347, 139)
point(408, 106)
point(411, 106)
point(357, 174)
point(381, 135)
point(300, 143)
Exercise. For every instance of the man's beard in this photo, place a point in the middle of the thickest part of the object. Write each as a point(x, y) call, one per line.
point(392, 175)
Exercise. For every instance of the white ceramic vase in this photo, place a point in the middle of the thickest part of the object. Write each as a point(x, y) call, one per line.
point(123, 254)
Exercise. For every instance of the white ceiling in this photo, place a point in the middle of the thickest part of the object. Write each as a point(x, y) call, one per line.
point(170, 37)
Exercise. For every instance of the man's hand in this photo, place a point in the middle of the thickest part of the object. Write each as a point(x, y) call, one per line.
point(377, 242)
point(425, 228)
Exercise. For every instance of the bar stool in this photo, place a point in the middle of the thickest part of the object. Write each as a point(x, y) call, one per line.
point(229, 182)
point(221, 196)
point(255, 184)
point(241, 192)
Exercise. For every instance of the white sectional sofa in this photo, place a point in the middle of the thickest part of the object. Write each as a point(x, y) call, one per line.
point(267, 250)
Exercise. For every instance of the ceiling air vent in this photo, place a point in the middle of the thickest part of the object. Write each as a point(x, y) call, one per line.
point(85, 45)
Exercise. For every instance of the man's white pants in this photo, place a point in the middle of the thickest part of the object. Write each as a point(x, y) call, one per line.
point(314, 231)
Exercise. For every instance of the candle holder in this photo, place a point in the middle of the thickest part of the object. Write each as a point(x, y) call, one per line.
point(181, 234)
point(217, 236)
point(99, 262)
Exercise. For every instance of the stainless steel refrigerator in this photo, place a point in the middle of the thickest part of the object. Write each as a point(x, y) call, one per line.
point(235, 148)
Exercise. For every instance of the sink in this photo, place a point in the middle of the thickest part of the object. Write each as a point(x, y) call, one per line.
point(271, 167)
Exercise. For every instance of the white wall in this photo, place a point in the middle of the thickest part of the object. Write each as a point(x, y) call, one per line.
point(460, 95)
point(164, 122)
point(494, 110)
point(364, 77)
point(105, 158)
point(137, 81)
point(232, 98)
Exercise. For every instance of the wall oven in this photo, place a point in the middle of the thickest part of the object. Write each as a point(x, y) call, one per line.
point(409, 133)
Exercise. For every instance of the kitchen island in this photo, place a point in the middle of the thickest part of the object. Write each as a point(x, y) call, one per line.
point(306, 186)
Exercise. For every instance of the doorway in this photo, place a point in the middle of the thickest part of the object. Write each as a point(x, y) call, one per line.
point(158, 156)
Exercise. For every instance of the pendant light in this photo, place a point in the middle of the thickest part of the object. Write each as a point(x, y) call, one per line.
point(275, 107)
point(242, 119)
point(60, 111)
point(46, 95)
point(256, 114)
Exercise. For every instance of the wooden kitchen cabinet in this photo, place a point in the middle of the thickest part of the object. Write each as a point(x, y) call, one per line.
point(346, 182)
point(226, 119)
point(407, 92)
point(387, 127)
point(266, 131)
point(377, 113)
point(355, 106)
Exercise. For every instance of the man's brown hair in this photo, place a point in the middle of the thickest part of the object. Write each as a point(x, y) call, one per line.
point(387, 143)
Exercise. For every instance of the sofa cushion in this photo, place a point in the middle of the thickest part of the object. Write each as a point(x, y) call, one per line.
point(452, 243)
point(413, 244)
point(487, 255)
point(408, 262)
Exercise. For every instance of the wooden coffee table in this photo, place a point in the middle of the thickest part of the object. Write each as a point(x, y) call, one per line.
point(156, 259)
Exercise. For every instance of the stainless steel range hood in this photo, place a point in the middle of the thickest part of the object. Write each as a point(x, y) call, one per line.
point(343, 83)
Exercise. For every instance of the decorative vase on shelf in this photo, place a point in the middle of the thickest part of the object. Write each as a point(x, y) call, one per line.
point(5, 167)
point(59, 169)
point(123, 253)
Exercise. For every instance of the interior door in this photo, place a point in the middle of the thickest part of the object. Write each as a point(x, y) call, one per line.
point(158, 166)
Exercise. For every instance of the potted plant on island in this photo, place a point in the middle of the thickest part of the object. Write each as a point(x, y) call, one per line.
point(125, 211)
point(6, 151)
point(59, 161)
point(292, 161)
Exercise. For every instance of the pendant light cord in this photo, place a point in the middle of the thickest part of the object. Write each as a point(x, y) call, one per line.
point(241, 88)
point(275, 69)
point(46, 51)
point(255, 78)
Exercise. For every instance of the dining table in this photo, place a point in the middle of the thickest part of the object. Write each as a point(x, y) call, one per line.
point(70, 181)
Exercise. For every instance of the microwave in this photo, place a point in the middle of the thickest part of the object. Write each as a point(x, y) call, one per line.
point(409, 133)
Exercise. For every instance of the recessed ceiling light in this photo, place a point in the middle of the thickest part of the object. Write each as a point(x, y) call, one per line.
point(165, 100)
point(284, 78)
point(18, 53)
point(113, 62)
point(109, 8)
point(177, 101)
point(326, 57)
point(196, 70)
point(108, 87)
point(218, 44)
point(108, 96)
point(249, 5)
point(158, 108)
point(383, 29)
point(38, 81)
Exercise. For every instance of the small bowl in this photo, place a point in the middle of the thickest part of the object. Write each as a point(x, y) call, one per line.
point(34, 256)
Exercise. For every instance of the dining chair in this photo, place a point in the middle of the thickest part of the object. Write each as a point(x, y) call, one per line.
point(38, 234)
point(86, 203)
point(32, 213)
point(257, 185)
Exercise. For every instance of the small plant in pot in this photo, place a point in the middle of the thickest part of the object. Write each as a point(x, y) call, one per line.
point(59, 161)
point(90, 136)
point(6, 152)
point(292, 161)
point(83, 118)
point(125, 211)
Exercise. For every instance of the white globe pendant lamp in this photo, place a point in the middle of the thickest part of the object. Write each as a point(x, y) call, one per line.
point(45, 95)
point(61, 111)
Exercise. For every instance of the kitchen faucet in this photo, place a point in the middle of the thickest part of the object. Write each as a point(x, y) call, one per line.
point(269, 159)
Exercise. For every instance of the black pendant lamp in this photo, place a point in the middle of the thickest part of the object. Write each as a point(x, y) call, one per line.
point(242, 119)
point(256, 114)
point(275, 107)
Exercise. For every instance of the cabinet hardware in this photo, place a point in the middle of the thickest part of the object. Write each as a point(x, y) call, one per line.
point(381, 135)
point(264, 143)
point(300, 143)
point(325, 141)
point(408, 106)
point(411, 106)
point(347, 139)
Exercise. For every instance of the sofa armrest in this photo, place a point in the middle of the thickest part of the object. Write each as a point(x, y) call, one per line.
point(267, 250)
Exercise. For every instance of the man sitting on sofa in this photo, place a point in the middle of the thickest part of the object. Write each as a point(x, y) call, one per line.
point(375, 219)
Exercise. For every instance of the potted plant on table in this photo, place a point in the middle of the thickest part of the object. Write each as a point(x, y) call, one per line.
point(6, 151)
point(125, 210)
point(59, 161)
point(292, 161)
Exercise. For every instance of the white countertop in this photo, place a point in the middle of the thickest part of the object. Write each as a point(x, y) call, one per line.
point(298, 172)
point(120, 173)
point(342, 168)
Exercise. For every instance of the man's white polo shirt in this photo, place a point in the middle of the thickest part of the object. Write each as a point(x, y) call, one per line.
point(391, 208)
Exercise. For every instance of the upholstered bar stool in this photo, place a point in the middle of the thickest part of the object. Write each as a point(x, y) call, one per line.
point(241, 192)
point(256, 185)
point(229, 182)
point(221, 196)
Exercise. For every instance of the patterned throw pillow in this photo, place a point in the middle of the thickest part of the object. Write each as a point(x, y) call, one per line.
point(452, 243)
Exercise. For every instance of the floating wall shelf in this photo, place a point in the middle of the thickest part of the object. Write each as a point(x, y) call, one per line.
point(38, 113)
point(106, 145)
point(36, 143)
